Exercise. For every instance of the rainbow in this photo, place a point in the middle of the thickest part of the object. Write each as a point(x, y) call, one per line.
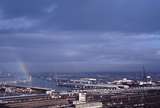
point(23, 68)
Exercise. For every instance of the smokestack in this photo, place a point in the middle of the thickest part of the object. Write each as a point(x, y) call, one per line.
point(144, 74)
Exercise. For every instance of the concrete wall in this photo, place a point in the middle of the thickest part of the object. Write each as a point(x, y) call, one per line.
point(89, 105)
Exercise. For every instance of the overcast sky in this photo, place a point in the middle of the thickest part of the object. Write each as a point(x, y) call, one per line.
point(80, 35)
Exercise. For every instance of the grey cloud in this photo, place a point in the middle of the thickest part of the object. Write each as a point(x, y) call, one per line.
point(85, 47)
point(16, 24)
point(84, 35)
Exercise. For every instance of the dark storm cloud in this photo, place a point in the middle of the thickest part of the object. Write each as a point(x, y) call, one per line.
point(24, 15)
point(80, 35)
point(88, 15)
point(28, 8)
